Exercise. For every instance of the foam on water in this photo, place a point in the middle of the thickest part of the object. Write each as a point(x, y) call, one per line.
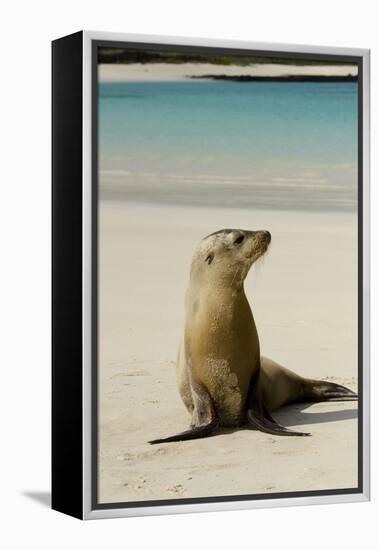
point(256, 144)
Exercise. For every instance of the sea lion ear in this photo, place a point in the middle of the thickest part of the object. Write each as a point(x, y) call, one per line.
point(209, 258)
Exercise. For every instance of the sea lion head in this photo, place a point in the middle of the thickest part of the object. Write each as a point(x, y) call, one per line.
point(225, 257)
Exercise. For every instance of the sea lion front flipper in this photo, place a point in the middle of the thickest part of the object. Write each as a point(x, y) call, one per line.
point(204, 418)
point(193, 433)
point(257, 413)
point(263, 421)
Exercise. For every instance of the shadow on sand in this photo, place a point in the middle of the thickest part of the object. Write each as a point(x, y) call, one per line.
point(297, 415)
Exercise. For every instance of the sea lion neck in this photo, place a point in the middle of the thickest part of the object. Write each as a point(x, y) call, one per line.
point(208, 283)
point(218, 275)
point(210, 290)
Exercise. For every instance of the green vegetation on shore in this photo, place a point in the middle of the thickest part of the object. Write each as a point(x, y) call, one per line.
point(124, 56)
point(286, 78)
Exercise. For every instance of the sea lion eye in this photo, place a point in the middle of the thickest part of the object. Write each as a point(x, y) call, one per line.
point(209, 258)
point(239, 239)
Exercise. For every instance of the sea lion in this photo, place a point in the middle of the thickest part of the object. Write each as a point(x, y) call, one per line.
point(221, 375)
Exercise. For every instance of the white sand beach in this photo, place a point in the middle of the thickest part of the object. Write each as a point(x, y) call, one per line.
point(303, 295)
point(114, 72)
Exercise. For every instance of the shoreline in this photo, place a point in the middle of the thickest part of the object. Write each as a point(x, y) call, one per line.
point(160, 72)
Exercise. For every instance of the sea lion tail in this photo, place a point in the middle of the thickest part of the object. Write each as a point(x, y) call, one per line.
point(263, 421)
point(194, 433)
point(320, 390)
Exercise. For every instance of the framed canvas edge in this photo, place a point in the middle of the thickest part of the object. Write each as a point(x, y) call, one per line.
point(117, 512)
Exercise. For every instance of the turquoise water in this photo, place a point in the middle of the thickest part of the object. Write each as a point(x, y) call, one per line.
point(256, 144)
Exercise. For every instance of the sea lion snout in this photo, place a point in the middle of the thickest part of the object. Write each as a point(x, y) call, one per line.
point(265, 238)
point(259, 243)
point(263, 235)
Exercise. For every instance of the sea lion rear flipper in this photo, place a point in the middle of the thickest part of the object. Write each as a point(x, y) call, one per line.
point(320, 390)
point(204, 417)
point(193, 433)
point(263, 421)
